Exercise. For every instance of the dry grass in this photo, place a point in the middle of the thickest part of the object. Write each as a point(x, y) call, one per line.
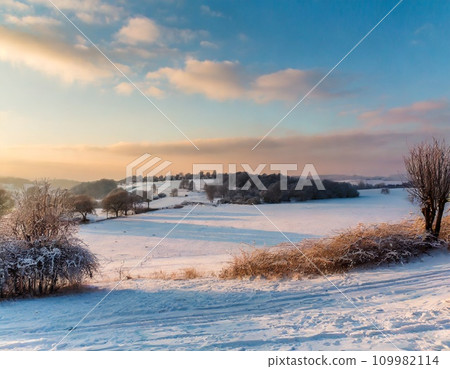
point(183, 274)
point(364, 245)
point(191, 273)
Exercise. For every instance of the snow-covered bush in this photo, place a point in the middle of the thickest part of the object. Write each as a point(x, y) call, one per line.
point(43, 266)
point(38, 252)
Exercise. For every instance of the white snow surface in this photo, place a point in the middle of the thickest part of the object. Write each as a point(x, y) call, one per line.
point(400, 306)
point(210, 235)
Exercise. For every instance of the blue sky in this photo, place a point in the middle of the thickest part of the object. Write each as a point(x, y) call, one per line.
point(225, 72)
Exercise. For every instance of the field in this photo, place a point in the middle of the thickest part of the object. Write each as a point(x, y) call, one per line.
point(401, 306)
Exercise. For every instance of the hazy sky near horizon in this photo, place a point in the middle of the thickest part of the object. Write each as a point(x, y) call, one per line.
point(224, 72)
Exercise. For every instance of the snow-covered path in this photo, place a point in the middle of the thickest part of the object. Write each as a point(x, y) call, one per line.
point(410, 303)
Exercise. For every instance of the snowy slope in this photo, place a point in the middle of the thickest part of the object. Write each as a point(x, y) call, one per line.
point(409, 303)
point(208, 237)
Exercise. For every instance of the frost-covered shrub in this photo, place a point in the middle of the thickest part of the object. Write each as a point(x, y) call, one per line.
point(38, 253)
point(42, 212)
point(42, 266)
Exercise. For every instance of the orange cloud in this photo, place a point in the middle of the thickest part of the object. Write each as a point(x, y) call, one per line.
point(227, 80)
point(423, 113)
point(333, 153)
point(138, 30)
point(53, 57)
point(218, 81)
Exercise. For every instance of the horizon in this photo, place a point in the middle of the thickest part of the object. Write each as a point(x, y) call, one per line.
point(215, 84)
point(324, 176)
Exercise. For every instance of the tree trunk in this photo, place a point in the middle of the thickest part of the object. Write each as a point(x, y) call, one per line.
point(437, 227)
point(427, 213)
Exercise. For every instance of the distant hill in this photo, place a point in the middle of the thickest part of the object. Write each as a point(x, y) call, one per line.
point(64, 183)
point(15, 183)
point(97, 189)
point(343, 177)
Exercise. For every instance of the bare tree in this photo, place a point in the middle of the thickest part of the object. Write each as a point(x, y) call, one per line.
point(42, 212)
point(84, 205)
point(117, 201)
point(134, 202)
point(428, 172)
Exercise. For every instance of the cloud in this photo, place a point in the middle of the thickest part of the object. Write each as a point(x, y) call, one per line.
point(139, 30)
point(177, 35)
point(88, 11)
point(422, 112)
point(228, 80)
point(124, 88)
point(217, 81)
point(127, 89)
point(206, 10)
point(331, 153)
point(53, 58)
point(31, 20)
point(154, 91)
point(426, 28)
point(424, 34)
point(15, 5)
point(287, 85)
point(208, 44)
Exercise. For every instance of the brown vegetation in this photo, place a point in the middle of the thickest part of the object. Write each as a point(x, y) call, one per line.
point(42, 212)
point(83, 205)
point(365, 245)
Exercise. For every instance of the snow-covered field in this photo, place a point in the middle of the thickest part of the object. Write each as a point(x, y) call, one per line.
point(208, 237)
point(404, 306)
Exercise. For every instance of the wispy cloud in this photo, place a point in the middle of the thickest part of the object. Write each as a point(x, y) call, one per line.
point(228, 80)
point(422, 113)
point(15, 5)
point(53, 58)
point(31, 20)
point(423, 34)
point(88, 11)
point(208, 44)
point(206, 10)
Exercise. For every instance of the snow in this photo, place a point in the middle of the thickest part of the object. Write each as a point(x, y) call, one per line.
point(409, 303)
point(210, 235)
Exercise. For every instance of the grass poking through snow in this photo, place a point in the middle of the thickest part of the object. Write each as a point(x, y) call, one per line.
point(365, 245)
